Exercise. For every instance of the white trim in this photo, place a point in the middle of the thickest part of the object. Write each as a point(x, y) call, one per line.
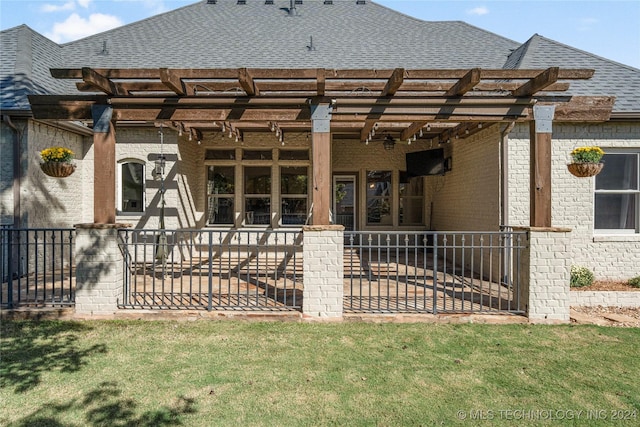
point(636, 192)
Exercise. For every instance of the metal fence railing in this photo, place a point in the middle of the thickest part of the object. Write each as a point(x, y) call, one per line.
point(212, 269)
point(37, 267)
point(433, 272)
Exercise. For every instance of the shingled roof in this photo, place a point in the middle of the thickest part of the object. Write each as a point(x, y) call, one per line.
point(610, 78)
point(344, 34)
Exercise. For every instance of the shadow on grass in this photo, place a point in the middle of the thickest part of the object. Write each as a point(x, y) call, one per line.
point(104, 406)
point(31, 348)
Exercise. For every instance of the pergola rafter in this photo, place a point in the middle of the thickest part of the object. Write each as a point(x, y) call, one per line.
point(400, 101)
point(397, 103)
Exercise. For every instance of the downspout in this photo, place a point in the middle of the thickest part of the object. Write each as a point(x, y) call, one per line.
point(504, 202)
point(17, 170)
point(504, 174)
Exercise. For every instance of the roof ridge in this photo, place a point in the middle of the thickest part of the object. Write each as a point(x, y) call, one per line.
point(521, 52)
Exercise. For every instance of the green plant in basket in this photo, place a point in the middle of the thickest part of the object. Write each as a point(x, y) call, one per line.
point(587, 154)
point(57, 154)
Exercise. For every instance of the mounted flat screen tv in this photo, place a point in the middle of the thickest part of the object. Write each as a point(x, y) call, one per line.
point(429, 162)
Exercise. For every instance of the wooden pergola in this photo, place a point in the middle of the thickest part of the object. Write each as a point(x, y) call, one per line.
point(348, 104)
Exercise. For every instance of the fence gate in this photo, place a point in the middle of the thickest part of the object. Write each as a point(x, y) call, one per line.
point(433, 272)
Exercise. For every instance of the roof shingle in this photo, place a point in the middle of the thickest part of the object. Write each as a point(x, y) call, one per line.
point(342, 35)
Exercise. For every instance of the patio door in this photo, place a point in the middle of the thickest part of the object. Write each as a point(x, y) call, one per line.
point(344, 201)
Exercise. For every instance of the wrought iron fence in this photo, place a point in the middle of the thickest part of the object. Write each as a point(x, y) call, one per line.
point(37, 267)
point(212, 269)
point(433, 272)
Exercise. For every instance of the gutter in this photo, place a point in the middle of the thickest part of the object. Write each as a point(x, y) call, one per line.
point(17, 170)
point(75, 127)
point(625, 115)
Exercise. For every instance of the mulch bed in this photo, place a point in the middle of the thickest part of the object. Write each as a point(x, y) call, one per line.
point(608, 285)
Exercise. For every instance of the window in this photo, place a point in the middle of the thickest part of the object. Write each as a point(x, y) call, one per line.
point(294, 155)
point(243, 184)
point(257, 155)
point(293, 195)
point(379, 198)
point(221, 193)
point(257, 195)
point(220, 155)
point(617, 195)
point(411, 201)
point(131, 187)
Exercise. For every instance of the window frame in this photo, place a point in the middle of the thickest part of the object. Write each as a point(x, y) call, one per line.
point(419, 198)
point(120, 199)
point(275, 198)
point(231, 196)
point(256, 196)
point(635, 193)
point(389, 196)
point(300, 196)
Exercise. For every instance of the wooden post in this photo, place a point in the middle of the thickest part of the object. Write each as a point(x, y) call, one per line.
point(321, 162)
point(540, 175)
point(104, 165)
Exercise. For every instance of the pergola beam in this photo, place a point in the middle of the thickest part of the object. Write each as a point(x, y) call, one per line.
point(541, 81)
point(246, 81)
point(172, 81)
point(321, 87)
point(394, 82)
point(330, 74)
point(99, 81)
point(465, 84)
point(412, 130)
point(321, 82)
point(399, 99)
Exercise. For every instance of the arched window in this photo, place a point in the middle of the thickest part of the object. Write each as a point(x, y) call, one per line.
point(131, 187)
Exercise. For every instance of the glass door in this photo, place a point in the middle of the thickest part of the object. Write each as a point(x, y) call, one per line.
point(344, 201)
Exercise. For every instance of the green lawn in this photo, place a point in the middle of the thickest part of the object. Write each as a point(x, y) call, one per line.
point(204, 373)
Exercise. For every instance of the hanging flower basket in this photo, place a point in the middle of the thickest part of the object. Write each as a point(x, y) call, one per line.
point(58, 169)
point(586, 161)
point(583, 170)
point(56, 162)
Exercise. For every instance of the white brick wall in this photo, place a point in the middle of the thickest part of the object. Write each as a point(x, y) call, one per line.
point(605, 299)
point(99, 271)
point(323, 248)
point(545, 276)
point(612, 257)
point(144, 145)
point(6, 173)
point(468, 197)
point(55, 202)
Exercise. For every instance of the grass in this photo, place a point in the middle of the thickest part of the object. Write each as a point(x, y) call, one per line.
point(141, 373)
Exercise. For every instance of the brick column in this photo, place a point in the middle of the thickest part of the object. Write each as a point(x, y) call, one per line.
point(99, 269)
point(323, 248)
point(545, 273)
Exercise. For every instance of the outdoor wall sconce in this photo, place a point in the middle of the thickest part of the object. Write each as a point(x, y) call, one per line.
point(158, 168)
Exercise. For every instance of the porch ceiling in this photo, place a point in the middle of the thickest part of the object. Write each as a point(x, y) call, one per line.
point(403, 103)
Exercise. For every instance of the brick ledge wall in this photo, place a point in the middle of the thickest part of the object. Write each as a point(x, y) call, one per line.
point(604, 298)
